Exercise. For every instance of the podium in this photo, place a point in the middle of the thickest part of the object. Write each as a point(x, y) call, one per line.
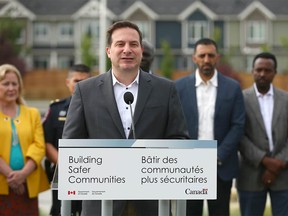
point(164, 170)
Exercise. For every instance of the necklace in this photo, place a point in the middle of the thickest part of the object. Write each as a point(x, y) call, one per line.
point(15, 139)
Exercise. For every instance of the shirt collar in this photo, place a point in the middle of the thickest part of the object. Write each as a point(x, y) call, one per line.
point(213, 80)
point(114, 80)
point(269, 93)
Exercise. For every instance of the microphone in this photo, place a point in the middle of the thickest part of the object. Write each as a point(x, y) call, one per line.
point(129, 98)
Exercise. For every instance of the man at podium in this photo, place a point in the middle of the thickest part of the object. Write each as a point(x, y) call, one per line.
point(98, 109)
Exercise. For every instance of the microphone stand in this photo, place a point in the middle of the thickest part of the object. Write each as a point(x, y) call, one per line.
point(133, 126)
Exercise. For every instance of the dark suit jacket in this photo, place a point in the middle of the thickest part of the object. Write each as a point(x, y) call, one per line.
point(229, 119)
point(255, 145)
point(93, 114)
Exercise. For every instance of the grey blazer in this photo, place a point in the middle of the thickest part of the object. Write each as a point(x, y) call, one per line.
point(93, 111)
point(254, 144)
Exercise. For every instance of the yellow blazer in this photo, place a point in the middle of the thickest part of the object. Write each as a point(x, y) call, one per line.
point(30, 133)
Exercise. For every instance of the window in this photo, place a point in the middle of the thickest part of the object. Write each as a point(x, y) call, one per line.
point(144, 28)
point(197, 30)
point(65, 62)
point(41, 32)
point(256, 31)
point(92, 28)
point(66, 31)
point(41, 62)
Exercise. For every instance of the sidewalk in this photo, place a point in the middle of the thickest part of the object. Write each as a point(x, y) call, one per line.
point(45, 201)
point(42, 105)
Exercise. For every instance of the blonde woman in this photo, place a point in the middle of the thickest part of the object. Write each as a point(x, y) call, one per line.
point(22, 148)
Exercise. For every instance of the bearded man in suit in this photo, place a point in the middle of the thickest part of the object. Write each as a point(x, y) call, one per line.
point(214, 109)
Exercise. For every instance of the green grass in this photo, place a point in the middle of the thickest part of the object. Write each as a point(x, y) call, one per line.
point(234, 205)
point(236, 212)
point(43, 213)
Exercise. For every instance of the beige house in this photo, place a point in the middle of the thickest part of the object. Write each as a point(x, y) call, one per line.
point(242, 28)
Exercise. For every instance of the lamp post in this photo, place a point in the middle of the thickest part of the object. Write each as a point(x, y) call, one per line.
point(102, 39)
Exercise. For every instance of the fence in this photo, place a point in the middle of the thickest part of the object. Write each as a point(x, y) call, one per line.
point(49, 85)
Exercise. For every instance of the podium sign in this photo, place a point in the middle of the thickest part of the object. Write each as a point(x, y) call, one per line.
point(152, 169)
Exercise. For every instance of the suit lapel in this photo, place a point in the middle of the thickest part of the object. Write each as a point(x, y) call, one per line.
point(144, 90)
point(277, 108)
point(221, 94)
point(108, 93)
point(192, 95)
point(253, 102)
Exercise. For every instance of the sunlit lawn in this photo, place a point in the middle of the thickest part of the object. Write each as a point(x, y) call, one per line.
point(43, 213)
point(236, 212)
point(234, 206)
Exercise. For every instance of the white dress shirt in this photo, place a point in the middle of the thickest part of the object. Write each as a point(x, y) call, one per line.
point(266, 103)
point(124, 109)
point(206, 99)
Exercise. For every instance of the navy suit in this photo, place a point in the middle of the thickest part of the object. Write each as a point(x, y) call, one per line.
point(229, 119)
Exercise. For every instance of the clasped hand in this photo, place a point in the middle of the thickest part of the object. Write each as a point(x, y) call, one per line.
point(16, 180)
point(273, 168)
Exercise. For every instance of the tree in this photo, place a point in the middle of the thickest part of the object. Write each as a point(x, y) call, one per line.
point(108, 63)
point(224, 65)
point(10, 49)
point(284, 42)
point(167, 62)
point(87, 56)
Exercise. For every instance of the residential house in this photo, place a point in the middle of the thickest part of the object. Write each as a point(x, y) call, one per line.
point(242, 28)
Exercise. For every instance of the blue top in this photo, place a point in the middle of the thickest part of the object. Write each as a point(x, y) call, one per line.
point(16, 156)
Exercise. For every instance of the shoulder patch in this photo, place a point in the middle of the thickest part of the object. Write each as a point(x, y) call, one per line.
point(59, 102)
point(54, 101)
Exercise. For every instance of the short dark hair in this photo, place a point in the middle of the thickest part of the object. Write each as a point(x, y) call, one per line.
point(121, 24)
point(205, 41)
point(82, 68)
point(266, 55)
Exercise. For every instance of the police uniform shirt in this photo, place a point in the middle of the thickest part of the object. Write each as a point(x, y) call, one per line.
point(54, 121)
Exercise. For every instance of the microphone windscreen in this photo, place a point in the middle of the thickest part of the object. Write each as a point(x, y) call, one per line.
point(128, 98)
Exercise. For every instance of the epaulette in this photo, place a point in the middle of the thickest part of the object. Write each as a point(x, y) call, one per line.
point(52, 102)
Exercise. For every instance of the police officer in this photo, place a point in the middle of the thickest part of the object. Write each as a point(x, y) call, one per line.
point(53, 127)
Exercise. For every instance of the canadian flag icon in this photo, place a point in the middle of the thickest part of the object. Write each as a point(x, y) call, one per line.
point(71, 192)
